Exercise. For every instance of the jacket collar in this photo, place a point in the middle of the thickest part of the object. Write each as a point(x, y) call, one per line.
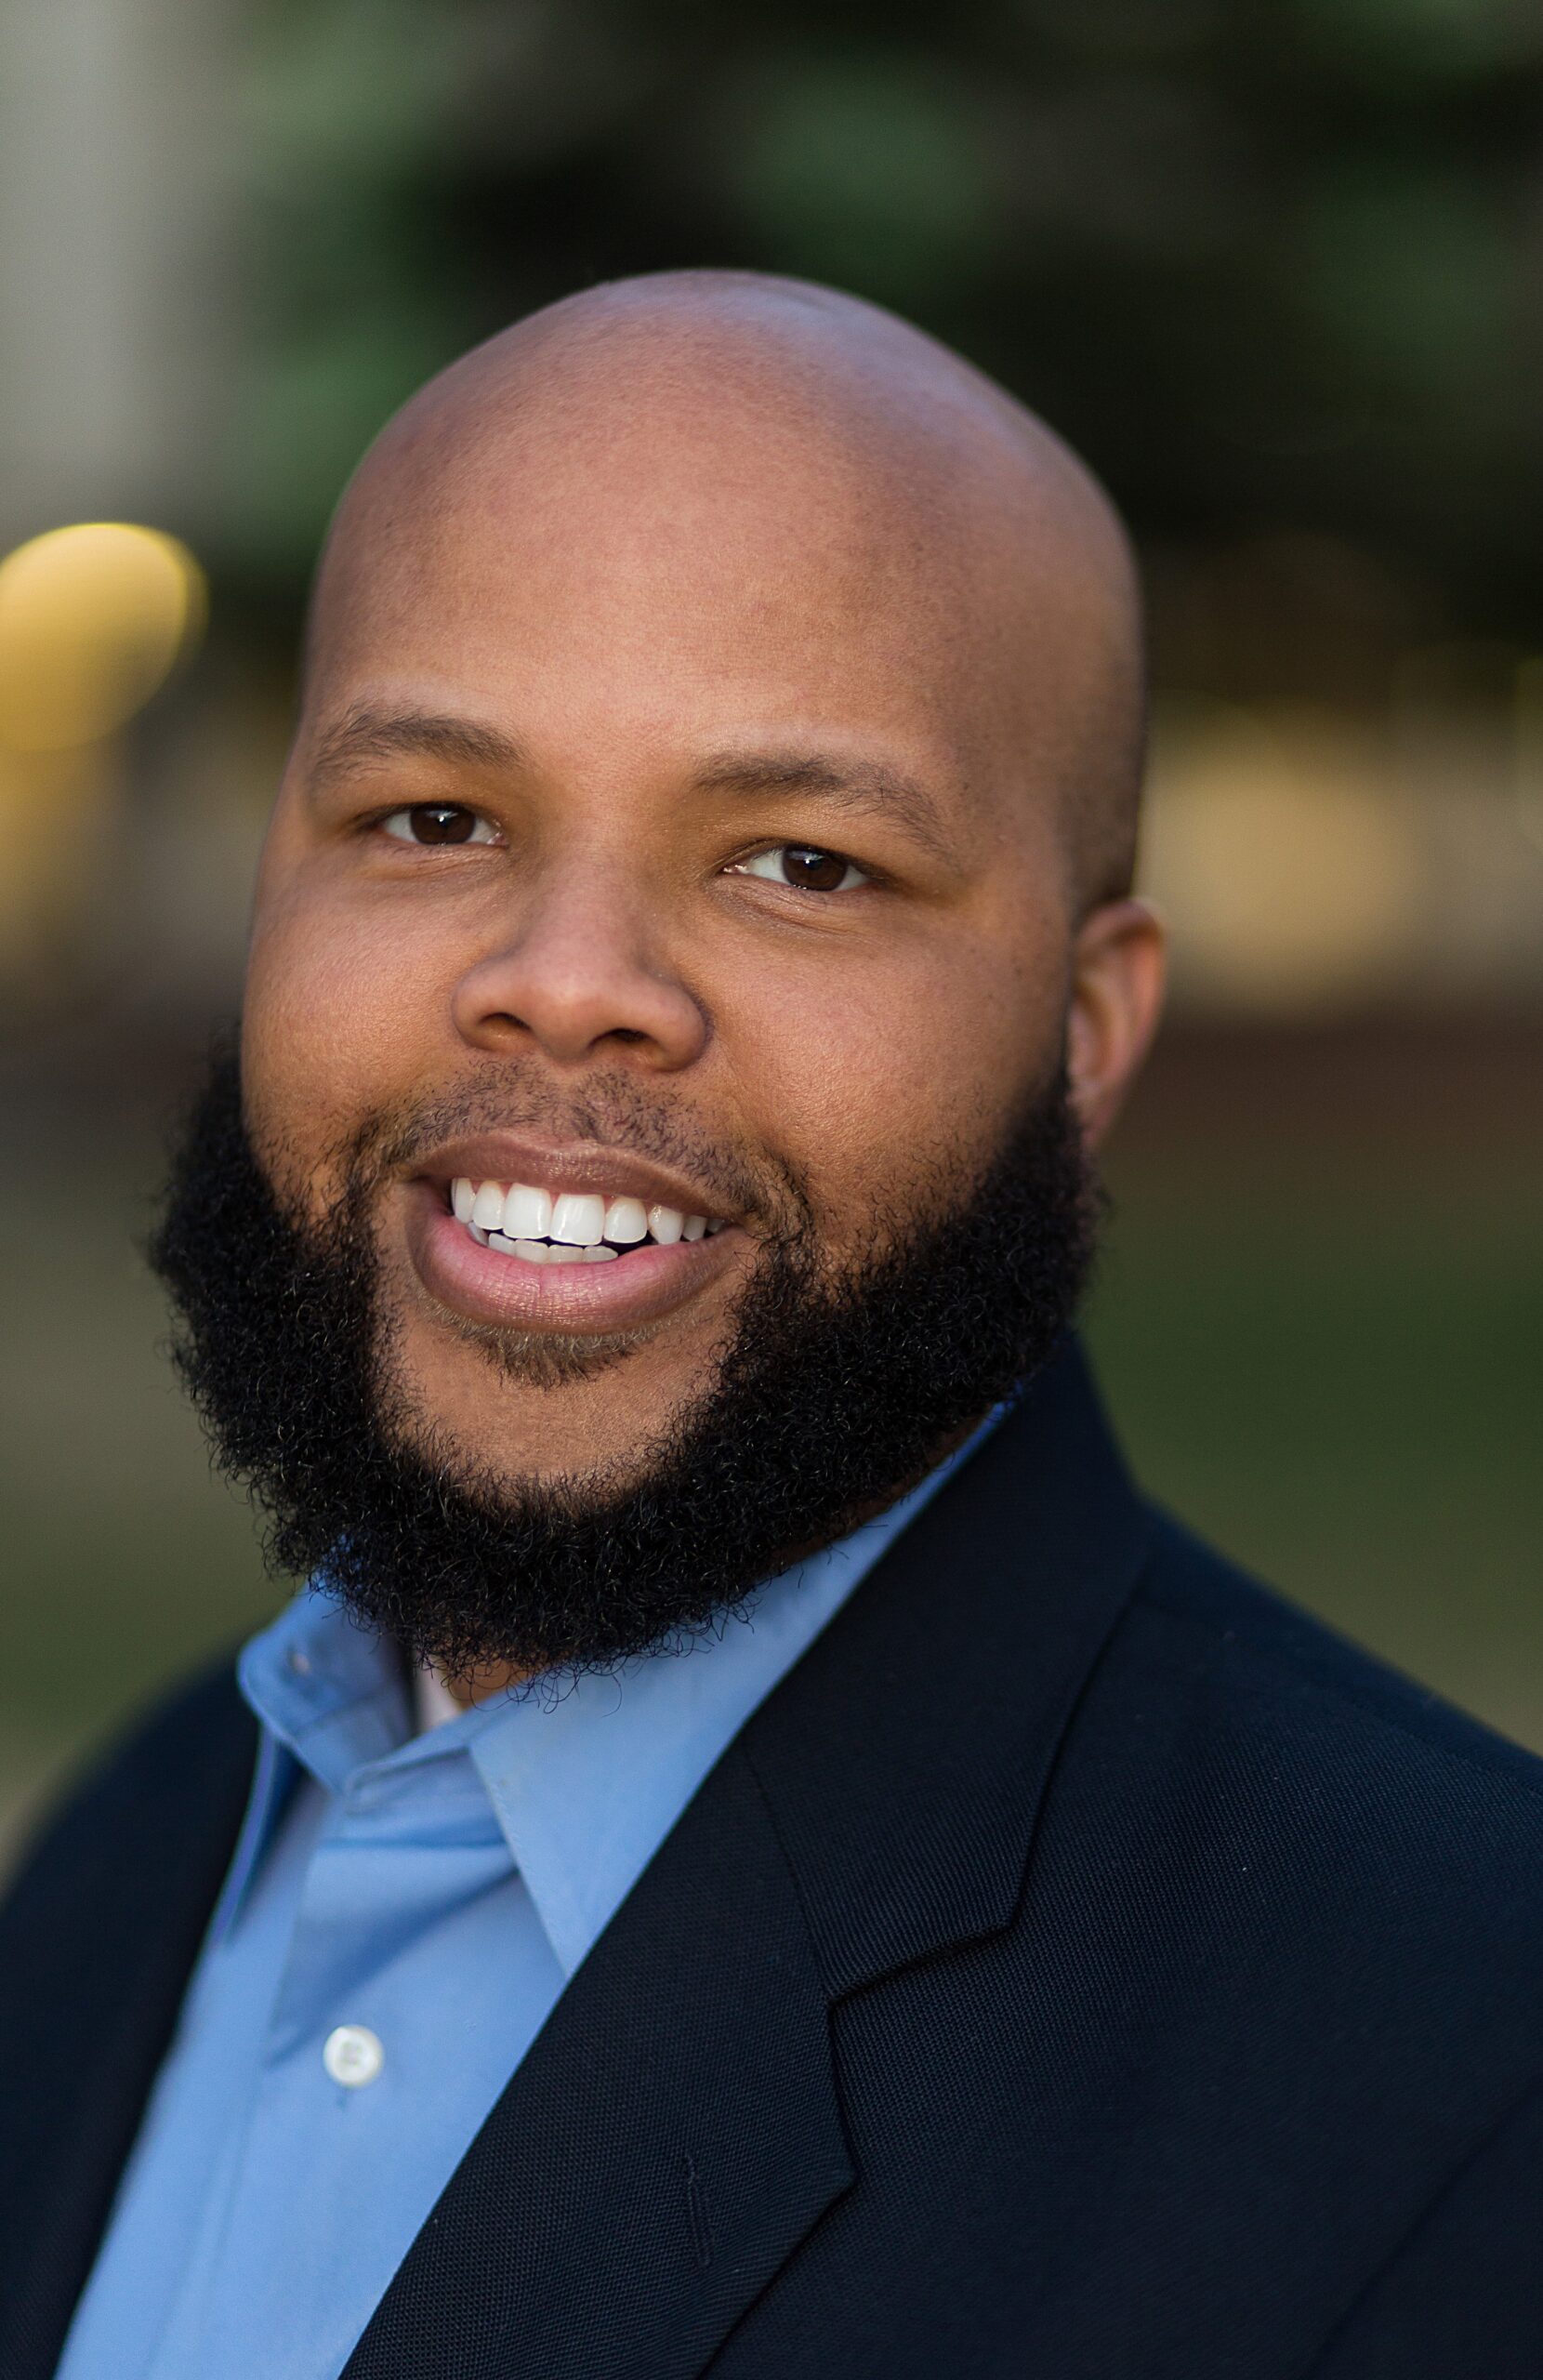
point(676, 2129)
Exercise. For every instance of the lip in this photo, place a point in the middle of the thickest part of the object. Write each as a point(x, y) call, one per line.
point(482, 1286)
point(580, 1165)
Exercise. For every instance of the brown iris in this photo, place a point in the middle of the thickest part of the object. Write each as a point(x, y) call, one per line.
point(441, 822)
point(814, 871)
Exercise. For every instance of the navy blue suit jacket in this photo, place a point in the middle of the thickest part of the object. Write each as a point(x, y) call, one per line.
point(1082, 1967)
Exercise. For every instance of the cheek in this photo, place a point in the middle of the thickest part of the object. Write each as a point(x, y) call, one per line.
point(336, 1023)
point(878, 1085)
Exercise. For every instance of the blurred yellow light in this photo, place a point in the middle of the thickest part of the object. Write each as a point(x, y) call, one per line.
point(55, 830)
point(93, 617)
point(1290, 871)
point(1529, 749)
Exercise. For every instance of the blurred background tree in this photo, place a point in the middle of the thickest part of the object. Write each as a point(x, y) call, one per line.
point(1274, 265)
point(1269, 261)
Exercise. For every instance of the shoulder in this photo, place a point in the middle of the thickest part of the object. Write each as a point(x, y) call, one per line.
point(1388, 1848)
point(162, 1803)
point(1267, 1669)
point(97, 1934)
point(1311, 1896)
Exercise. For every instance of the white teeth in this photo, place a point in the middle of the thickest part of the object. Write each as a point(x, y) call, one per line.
point(532, 1251)
point(578, 1220)
point(522, 1221)
point(715, 1227)
point(487, 1207)
point(624, 1221)
point(527, 1213)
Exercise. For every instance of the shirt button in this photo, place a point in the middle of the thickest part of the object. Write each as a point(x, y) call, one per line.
point(353, 2055)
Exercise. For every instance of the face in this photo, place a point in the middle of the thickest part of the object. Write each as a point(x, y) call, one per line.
point(659, 856)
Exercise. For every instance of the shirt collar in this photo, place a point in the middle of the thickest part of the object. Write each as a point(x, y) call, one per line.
point(333, 1694)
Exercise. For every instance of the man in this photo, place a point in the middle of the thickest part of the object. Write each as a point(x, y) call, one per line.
point(755, 1853)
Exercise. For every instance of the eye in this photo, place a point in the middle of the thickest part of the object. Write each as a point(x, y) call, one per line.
point(805, 867)
point(438, 821)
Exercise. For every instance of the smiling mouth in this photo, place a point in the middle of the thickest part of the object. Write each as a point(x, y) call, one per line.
point(535, 1226)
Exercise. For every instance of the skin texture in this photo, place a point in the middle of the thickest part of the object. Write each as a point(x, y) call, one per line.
point(698, 566)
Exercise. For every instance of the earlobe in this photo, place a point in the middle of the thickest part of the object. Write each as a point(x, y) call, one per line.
point(1118, 966)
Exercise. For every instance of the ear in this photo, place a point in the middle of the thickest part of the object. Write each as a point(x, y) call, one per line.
point(1118, 966)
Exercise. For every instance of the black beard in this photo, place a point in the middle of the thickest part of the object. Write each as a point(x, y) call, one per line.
point(835, 1395)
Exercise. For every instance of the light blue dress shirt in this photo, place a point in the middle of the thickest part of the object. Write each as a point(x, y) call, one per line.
point(434, 1891)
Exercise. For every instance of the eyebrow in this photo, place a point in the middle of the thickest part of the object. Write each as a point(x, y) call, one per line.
point(365, 736)
point(860, 786)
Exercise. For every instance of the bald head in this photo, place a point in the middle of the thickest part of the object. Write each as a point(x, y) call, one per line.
point(732, 431)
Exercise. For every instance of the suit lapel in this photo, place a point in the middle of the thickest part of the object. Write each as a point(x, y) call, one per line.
point(667, 2143)
point(676, 2130)
point(907, 1756)
point(97, 1942)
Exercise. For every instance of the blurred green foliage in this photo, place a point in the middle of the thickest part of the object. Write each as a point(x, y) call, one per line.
point(1269, 261)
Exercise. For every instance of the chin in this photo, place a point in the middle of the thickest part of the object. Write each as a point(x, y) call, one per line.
point(516, 1410)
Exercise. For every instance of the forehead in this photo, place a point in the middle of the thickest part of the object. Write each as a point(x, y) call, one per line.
point(681, 568)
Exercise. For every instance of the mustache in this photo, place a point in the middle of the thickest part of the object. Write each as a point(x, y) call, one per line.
point(612, 1110)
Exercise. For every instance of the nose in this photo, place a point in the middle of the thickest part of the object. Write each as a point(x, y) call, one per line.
point(581, 972)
